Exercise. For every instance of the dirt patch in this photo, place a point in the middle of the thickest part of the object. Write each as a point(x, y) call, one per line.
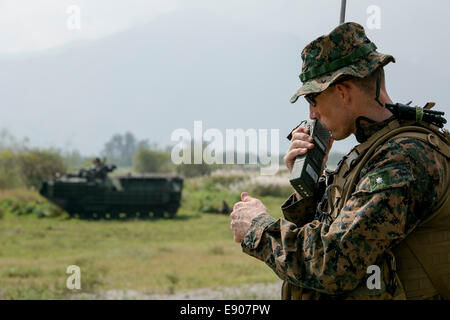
point(255, 291)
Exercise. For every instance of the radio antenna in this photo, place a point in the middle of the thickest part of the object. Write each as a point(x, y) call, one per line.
point(342, 17)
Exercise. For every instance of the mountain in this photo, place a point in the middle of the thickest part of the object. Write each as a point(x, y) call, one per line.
point(154, 78)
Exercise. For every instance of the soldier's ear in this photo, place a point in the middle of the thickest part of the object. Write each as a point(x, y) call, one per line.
point(344, 91)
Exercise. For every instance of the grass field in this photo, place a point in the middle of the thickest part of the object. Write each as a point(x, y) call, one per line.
point(193, 250)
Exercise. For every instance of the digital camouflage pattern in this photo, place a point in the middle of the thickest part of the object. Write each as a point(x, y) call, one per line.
point(340, 43)
point(397, 189)
point(328, 255)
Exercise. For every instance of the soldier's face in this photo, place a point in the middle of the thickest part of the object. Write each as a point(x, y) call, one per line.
point(335, 115)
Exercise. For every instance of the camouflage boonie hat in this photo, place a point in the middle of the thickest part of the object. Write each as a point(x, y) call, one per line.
point(344, 51)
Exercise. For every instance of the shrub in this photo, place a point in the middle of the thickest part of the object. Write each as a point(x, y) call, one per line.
point(21, 194)
point(146, 160)
point(38, 165)
point(273, 190)
point(21, 208)
point(194, 170)
point(10, 172)
point(28, 168)
point(224, 181)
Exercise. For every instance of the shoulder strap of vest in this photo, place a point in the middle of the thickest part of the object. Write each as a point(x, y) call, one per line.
point(425, 134)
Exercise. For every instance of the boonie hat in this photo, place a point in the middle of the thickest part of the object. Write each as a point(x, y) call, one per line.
point(344, 51)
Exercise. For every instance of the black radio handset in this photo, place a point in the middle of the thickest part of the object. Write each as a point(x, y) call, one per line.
point(307, 168)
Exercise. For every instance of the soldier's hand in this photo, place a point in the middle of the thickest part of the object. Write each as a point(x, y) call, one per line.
point(301, 142)
point(243, 213)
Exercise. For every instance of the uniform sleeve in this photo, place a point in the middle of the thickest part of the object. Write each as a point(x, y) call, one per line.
point(299, 211)
point(333, 258)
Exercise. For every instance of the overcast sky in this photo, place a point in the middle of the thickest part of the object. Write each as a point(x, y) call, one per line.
point(35, 33)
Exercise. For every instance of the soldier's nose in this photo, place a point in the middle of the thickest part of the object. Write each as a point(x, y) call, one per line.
point(313, 114)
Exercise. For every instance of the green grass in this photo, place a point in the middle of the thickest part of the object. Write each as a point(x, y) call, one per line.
point(193, 250)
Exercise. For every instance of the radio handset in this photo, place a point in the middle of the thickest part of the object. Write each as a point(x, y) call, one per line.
point(307, 168)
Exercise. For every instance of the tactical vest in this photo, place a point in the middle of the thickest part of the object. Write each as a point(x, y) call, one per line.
point(419, 267)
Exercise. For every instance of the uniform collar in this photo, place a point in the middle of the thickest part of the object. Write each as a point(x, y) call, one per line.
point(366, 127)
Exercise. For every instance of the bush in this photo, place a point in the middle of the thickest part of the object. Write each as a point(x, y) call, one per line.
point(146, 160)
point(224, 181)
point(10, 172)
point(39, 165)
point(21, 208)
point(21, 194)
point(273, 190)
point(28, 168)
point(194, 170)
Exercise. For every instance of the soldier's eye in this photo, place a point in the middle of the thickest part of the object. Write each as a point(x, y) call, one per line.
point(311, 98)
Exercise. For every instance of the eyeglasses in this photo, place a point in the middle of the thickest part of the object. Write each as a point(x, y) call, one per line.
point(311, 98)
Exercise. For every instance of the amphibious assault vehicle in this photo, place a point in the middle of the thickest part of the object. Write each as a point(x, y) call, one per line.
point(94, 194)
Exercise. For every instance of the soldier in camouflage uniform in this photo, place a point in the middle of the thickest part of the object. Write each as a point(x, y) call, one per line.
point(391, 187)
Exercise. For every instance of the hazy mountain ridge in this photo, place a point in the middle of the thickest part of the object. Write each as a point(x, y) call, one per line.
point(152, 87)
point(184, 66)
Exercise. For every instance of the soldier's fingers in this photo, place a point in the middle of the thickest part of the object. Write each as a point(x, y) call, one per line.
point(301, 144)
point(237, 205)
point(298, 142)
point(301, 136)
point(300, 129)
point(290, 156)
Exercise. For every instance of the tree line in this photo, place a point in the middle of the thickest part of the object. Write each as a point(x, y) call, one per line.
point(25, 166)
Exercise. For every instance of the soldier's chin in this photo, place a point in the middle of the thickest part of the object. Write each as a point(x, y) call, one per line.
point(336, 136)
